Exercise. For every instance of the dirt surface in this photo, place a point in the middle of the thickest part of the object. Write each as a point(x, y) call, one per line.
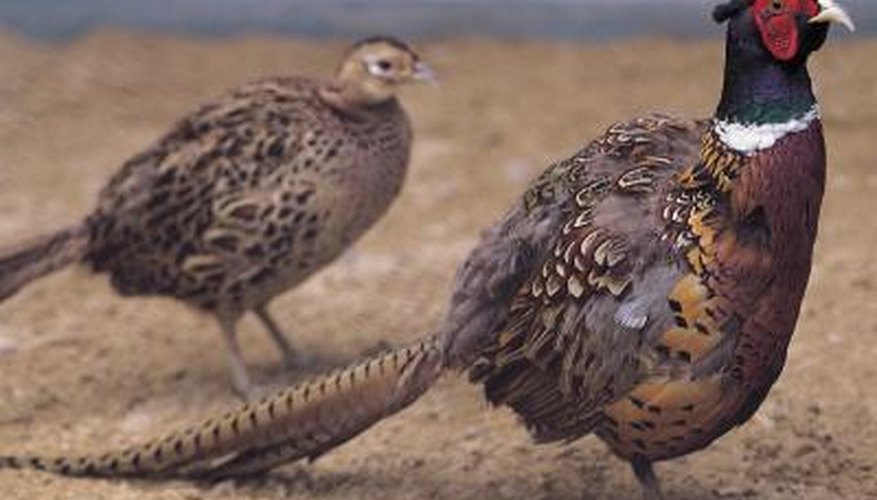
point(82, 370)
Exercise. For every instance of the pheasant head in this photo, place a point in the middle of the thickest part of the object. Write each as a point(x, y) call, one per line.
point(373, 70)
point(767, 87)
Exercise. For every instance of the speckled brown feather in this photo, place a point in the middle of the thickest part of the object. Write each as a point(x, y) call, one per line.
point(565, 351)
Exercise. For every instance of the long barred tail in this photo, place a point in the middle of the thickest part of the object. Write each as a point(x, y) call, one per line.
point(304, 421)
point(26, 262)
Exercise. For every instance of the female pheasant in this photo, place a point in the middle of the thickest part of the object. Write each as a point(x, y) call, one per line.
point(248, 196)
point(644, 290)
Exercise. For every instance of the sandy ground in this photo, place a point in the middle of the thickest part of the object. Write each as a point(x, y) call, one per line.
point(83, 370)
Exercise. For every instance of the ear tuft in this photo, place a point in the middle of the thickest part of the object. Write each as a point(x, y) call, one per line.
point(728, 10)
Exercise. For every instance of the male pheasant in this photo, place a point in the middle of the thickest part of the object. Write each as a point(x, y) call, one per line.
point(248, 196)
point(644, 290)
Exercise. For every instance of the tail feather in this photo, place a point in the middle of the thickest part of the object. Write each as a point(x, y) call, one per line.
point(304, 421)
point(28, 261)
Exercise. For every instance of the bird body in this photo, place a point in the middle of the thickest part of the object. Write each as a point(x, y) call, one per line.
point(645, 289)
point(662, 327)
point(248, 196)
point(261, 189)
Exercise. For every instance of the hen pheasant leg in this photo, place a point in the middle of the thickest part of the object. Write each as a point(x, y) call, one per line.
point(240, 378)
point(290, 356)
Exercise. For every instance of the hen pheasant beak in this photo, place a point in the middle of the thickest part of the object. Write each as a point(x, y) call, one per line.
point(424, 73)
point(833, 13)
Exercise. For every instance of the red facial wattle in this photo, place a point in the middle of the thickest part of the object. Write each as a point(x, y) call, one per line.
point(777, 22)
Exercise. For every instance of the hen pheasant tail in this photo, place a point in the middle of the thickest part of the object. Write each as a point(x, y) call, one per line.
point(28, 261)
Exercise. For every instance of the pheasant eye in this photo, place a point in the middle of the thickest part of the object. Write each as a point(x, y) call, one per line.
point(776, 6)
point(385, 65)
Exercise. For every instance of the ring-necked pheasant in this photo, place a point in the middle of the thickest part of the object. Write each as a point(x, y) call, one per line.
point(248, 196)
point(644, 290)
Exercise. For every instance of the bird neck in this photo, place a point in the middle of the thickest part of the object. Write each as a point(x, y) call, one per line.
point(762, 163)
point(763, 94)
point(762, 100)
point(764, 144)
point(765, 105)
point(354, 92)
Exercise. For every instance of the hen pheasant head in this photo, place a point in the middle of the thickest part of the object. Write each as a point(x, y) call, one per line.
point(375, 68)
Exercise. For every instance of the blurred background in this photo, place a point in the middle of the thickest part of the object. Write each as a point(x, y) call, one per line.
point(86, 84)
point(552, 19)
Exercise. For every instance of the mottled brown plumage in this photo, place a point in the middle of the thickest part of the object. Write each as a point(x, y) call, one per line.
point(644, 290)
point(248, 196)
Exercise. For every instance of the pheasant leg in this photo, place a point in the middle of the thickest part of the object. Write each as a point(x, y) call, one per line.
point(240, 378)
point(291, 357)
point(645, 473)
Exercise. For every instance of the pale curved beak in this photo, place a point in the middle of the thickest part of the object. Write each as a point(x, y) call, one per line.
point(424, 73)
point(833, 13)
